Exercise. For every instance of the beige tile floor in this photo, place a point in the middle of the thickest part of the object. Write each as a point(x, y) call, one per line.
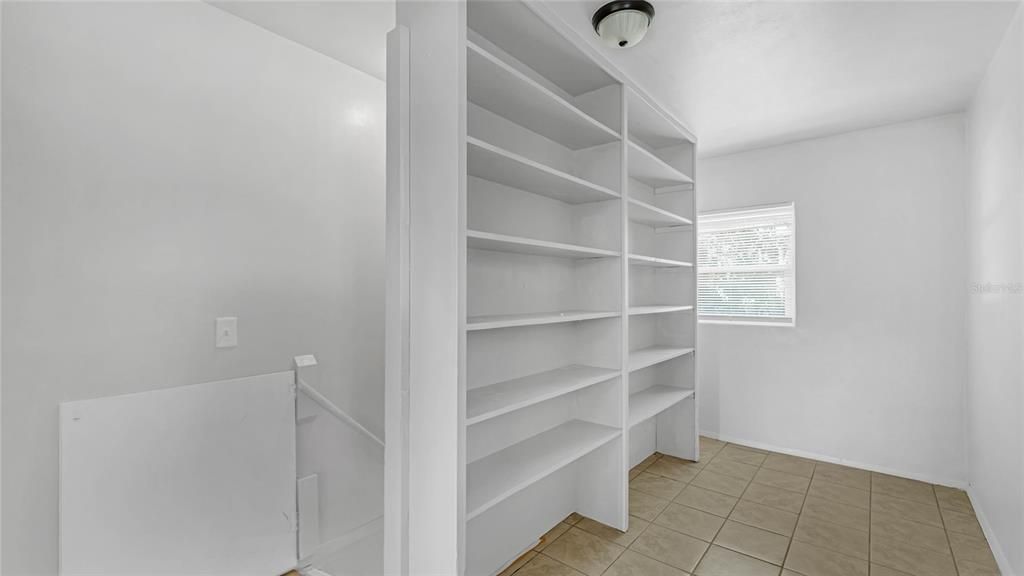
point(747, 512)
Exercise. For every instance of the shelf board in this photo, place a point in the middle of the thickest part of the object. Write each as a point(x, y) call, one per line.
point(491, 322)
point(650, 215)
point(639, 359)
point(640, 260)
point(500, 88)
point(496, 477)
point(494, 400)
point(498, 165)
point(639, 310)
point(649, 403)
point(651, 170)
point(650, 126)
point(518, 29)
point(519, 245)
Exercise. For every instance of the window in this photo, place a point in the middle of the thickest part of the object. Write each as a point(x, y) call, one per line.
point(745, 266)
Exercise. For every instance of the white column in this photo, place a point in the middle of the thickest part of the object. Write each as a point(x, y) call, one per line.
point(426, 251)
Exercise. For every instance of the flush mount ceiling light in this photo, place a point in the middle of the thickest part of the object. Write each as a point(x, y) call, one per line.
point(623, 23)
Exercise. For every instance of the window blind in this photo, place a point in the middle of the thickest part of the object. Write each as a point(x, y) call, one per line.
point(745, 265)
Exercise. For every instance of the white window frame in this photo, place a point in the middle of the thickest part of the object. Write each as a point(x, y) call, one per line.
point(751, 320)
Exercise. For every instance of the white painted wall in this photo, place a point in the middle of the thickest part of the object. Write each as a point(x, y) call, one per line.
point(873, 372)
point(164, 164)
point(995, 302)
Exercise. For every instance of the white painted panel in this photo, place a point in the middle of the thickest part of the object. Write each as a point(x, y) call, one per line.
point(191, 480)
point(642, 441)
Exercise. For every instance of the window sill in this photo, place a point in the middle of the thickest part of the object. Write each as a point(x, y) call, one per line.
point(746, 322)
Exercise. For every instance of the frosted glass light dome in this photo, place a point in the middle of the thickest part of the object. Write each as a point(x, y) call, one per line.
point(623, 23)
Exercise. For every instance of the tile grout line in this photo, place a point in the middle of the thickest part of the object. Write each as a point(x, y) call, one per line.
point(740, 498)
point(710, 544)
point(945, 530)
point(942, 520)
point(651, 522)
point(871, 512)
point(629, 546)
point(800, 515)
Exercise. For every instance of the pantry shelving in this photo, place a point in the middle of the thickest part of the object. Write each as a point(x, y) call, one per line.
point(502, 474)
point(640, 310)
point(505, 243)
point(644, 357)
point(653, 401)
point(641, 260)
point(575, 224)
point(500, 398)
point(492, 163)
point(492, 321)
point(500, 88)
point(648, 168)
point(650, 215)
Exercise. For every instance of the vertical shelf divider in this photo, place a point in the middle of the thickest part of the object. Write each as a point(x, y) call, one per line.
point(624, 228)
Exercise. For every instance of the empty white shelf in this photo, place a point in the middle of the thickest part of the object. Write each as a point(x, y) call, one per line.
point(498, 165)
point(650, 126)
point(640, 260)
point(519, 245)
point(496, 477)
point(651, 170)
point(645, 357)
point(639, 310)
point(500, 88)
point(490, 322)
point(653, 401)
point(644, 213)
point(503, 397)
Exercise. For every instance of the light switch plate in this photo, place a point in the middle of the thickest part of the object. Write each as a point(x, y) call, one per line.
point(227, 332)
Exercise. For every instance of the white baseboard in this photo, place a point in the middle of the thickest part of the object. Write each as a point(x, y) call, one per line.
point(993, 543)
point(962, 484)
point(331, 547)
point(347, 539)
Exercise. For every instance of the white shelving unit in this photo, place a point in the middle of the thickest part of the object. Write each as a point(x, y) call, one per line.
point(640, 310)
point(576, 347)
point(493, 400)
point(506, 472)
point(641, 260)
point(490, 322)
point(650, 215)
point(644, 357)
point(504, 243)
point(489, 162)
point(653, 401)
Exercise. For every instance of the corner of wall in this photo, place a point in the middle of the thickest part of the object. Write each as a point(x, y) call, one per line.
point(995, 147)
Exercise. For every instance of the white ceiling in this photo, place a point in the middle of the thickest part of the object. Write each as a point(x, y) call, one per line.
point(351, 31)
point(740, 74)
point(749, 74)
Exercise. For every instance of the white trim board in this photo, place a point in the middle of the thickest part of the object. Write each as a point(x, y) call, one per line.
point(961, 484)
point(993, 543)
